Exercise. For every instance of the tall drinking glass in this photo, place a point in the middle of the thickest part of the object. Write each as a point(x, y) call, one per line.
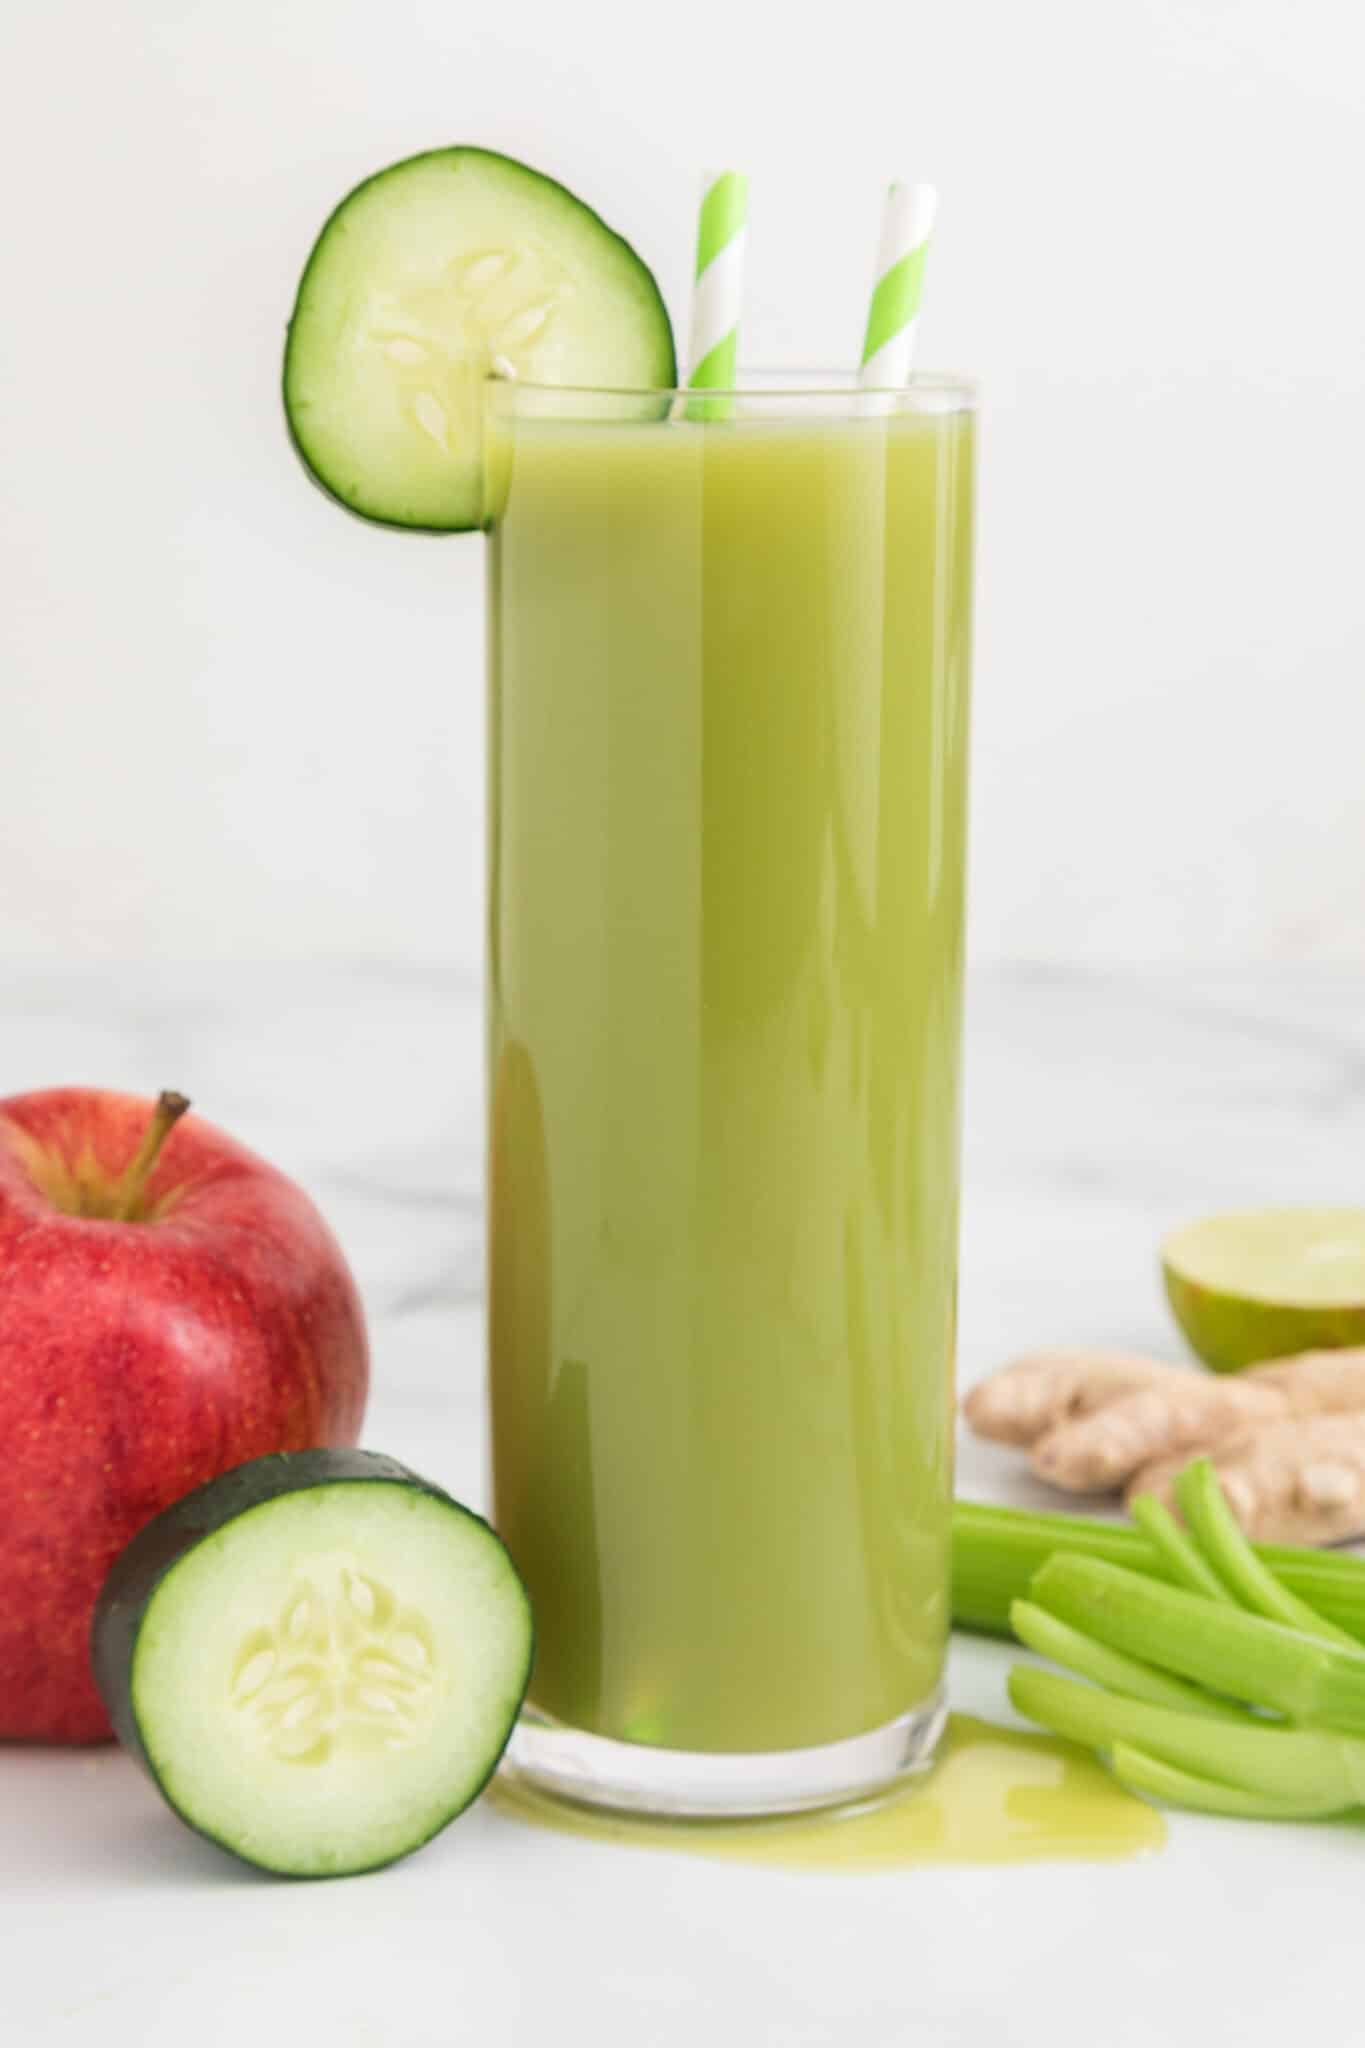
point(728, 736)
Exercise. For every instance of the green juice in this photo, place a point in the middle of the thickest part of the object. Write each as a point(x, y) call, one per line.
point(728, 735)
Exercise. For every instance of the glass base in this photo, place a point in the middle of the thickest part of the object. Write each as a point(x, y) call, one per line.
point(633, 1777)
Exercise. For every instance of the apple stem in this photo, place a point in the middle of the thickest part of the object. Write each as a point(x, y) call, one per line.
point(128, 1195)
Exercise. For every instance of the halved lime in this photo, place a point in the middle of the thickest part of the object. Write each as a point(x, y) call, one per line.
point(1265, 1283)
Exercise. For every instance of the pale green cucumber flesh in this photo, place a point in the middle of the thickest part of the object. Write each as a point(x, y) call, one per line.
point(319, 1658)
point(425, 279)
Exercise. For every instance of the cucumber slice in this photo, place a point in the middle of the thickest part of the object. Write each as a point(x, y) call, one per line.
point(319, 1658)
point(426, 277)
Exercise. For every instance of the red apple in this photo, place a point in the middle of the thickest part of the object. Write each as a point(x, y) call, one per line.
point(170, 1305)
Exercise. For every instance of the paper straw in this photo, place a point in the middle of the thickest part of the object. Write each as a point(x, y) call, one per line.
point(889, 343)
point(713, 343)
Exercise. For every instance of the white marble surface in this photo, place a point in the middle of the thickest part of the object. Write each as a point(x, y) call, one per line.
point(1100, 1111)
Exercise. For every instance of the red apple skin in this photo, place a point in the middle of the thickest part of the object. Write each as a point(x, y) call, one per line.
point(138, 1360)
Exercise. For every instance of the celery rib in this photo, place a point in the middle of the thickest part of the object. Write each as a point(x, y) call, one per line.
point(1174, 1628)
point(996, 1552)
point(1231, 1651)
point(1141, 1772)
point(1308, 1770)
point(1183, 1561)
point(1038, 1630)
point(1205, 1508)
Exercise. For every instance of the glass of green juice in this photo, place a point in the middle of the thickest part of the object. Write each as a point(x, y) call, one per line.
point(729, 653)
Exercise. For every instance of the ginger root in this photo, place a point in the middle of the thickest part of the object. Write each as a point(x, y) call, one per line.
point(1288, 1437)
point(1022, 1402)
point(1300, 1480)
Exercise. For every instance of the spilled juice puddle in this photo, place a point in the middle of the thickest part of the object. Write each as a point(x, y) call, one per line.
point(994, 1796)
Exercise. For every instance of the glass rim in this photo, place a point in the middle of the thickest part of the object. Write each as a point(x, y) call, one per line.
point(781, 383)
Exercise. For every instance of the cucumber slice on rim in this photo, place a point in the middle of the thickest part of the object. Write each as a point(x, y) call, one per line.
point(426, 277)
point(318, 1657)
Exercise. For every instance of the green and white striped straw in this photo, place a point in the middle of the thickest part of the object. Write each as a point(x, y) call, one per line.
point(889, 343)
point(713, 342)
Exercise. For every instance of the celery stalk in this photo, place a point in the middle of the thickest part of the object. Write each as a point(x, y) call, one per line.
point(1184, 1564)
point(1309, 1771)
point(1222, 1647)
point(1205, 1508)
point(1038, 1630)
point(996, 1552)
point(1141, 1772)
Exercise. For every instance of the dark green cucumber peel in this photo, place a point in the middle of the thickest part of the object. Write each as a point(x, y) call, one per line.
point(243, 1494)
point(138, 1569)
point(655, 369)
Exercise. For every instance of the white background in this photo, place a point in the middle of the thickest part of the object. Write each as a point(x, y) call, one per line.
point(237, 723)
